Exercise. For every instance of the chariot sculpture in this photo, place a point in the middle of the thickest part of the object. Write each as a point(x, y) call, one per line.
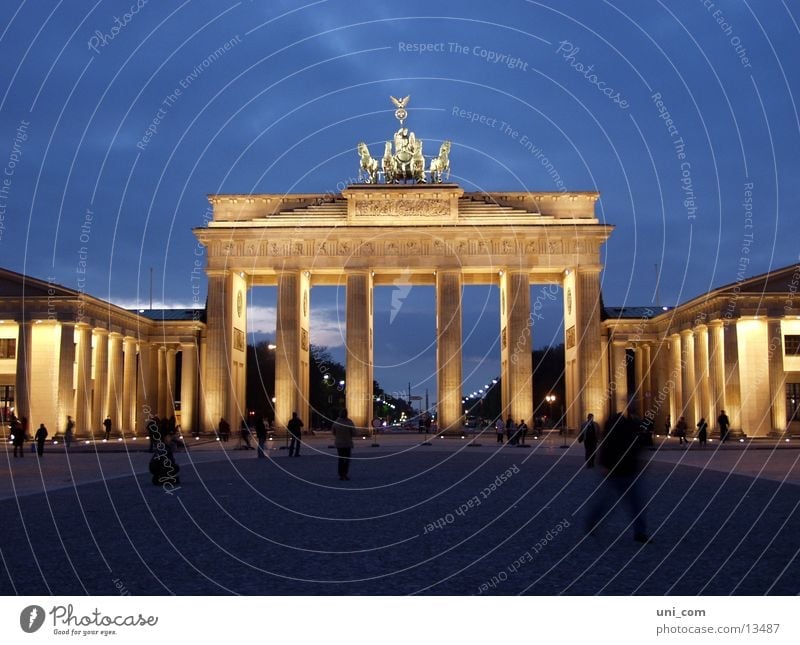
point(406, 162)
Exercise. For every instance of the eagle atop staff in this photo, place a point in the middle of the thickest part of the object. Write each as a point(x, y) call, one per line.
point(400, 113)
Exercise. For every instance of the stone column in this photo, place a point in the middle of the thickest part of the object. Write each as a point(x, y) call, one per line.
point(188, 387)
point(448, 349)
point(646, 388)
point(66, 376)
point(619, 374)
point(161, 410)
point(515, 353)
point(83, 389)
point(100, 402)
point(358, 383)
point(171, 368)
point(215, 388)
point(22, 382)
point(733, 395)
point(638, 378)
point(777, 377)
point(716, 373)
point(146, 397)
point(701, 370)
point(115, 378)
point(129, 386)
point(687, 377)
point(675, 379)
point(590, 375)
point(291, 355)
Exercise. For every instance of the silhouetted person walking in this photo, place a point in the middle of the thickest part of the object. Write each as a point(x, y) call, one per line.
point(680, 430)
point(619, 450)
point(224, 429)
point(261, 436)
point(17, 437)
point(107, 426)
point(40, 436)
point(702, 431)
point(69, 432)
point(295, 428)
point(724, 426)
point(343, 431)
point(588, 437)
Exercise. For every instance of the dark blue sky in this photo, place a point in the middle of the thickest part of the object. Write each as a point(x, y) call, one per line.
point(301, 83)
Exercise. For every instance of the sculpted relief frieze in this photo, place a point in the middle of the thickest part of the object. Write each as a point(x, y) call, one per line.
point(403, 207)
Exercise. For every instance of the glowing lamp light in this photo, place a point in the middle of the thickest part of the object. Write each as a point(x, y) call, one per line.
point(120, 439)
point(55, 443)
point(217, 438)
point(104, 440)
point(197, 438)
point(741, 440)
point(86, 442)
point(134, 438)
point(786, 440)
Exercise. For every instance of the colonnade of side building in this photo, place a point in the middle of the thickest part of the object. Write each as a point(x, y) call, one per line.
point(734, 349)
point(80, 357)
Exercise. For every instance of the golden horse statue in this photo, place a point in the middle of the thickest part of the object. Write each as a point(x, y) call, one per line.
point(369, 166)
point(441, 164)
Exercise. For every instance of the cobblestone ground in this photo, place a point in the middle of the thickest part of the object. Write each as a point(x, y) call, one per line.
point(421, 520)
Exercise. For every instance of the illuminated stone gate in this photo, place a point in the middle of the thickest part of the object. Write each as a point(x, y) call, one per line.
point(427, 234)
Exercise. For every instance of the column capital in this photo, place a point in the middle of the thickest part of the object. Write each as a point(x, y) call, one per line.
point(686, 333)
point(100, 331)
point(716, 323)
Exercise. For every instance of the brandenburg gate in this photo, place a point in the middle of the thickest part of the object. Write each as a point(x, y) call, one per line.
point(427, 232)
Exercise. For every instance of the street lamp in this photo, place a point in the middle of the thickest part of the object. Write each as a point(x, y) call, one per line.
point(550, 398)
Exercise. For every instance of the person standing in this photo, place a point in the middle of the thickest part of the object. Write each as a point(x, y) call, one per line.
point(69, 432)
point(702, 431)
point(500, 429)
point(295, 428)
point(724, 425)
point(588, 437)
point(510, 430)
point(40, 436)
point(107, 426)
point(522, 431)
point(343, 430)
point(668, 426)
point(619, 452)
point(261, 436)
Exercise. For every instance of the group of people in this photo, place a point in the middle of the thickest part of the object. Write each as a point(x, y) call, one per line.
point(682, 427)
point(514, 433)
point(18, 430)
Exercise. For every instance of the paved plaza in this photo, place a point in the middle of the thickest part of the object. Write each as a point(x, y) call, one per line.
point(449, 518)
